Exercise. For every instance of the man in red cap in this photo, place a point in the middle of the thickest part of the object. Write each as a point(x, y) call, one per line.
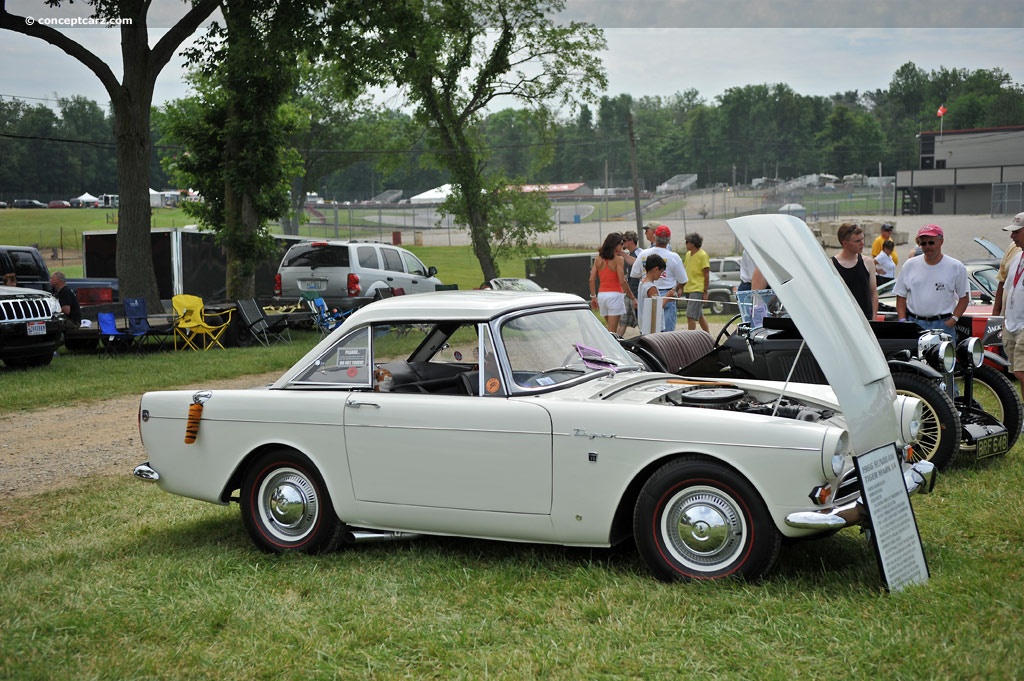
point(931, 289)
point(1013, 295)
point(671, 282)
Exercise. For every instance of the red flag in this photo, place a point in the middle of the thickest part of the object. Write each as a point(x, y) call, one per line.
point(942, 110)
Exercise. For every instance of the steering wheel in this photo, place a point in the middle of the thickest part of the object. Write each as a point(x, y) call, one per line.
point(726, 331)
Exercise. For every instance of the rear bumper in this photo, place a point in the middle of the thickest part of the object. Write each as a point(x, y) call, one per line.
point(919, 478)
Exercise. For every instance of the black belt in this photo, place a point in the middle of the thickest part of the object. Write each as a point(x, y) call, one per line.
point(933, 318)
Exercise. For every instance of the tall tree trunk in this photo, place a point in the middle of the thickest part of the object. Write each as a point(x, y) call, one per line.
point(131, 103)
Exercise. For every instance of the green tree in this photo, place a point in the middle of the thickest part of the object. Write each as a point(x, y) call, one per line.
point(453, 59)
point(236, 132)
point(131, 99)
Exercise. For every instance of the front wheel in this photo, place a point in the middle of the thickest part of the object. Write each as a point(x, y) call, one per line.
point(995, 394)
point(938, 437)
point(717, 305)
point(286, 506)
point(697, 519)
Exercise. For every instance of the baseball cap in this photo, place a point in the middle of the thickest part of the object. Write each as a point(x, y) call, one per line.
point(1018, 222)
point(663, 232)
point(886, 226)
point(930, 230)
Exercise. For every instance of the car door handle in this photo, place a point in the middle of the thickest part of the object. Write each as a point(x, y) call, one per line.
point(357, 404)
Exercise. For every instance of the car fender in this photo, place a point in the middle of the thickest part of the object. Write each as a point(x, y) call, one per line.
point(915, 366)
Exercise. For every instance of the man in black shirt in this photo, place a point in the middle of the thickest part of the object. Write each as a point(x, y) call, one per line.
point(67, 298)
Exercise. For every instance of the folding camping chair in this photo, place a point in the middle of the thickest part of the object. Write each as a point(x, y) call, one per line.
point(323, 319)
point(262, 328)
point(115, 341)
point(190, 323)
point(138, 323)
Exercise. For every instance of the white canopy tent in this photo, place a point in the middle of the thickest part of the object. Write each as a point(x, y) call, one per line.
point(86, 198)
point(436, 195)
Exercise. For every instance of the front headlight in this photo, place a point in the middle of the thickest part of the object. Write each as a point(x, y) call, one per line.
point(909, 412)
point(970, 351)
point(835, 451)
point(936, 349)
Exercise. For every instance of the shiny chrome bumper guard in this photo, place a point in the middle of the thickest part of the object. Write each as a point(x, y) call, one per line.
point(919, 479)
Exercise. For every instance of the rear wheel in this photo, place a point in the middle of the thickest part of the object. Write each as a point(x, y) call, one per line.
point(697, 519)
point(286, 506)
point(938, 438)
point(995, 394)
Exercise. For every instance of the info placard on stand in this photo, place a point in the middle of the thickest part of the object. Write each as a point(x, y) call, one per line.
point(894, 532)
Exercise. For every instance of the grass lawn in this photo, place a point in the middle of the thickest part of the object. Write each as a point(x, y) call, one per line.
point(154, 586)
point(116, 579)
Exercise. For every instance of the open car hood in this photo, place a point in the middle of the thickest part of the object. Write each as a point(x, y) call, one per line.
point(830, 321)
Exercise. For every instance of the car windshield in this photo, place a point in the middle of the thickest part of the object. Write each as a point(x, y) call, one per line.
point(557, 346)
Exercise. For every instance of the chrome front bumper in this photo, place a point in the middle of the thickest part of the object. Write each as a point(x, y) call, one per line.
point(144, 472)
point(918, 478)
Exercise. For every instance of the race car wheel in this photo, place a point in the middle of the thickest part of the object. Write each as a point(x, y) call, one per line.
point(939, 432)
point(286, 507)
point(995, 394)
point(697, 519)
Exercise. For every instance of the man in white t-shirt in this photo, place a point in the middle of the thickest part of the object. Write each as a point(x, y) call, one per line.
point(1013, 295)
point(671, 282)
point(931, 289)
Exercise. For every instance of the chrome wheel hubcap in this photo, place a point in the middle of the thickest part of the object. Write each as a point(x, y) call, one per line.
point(703, 527)
point(289, 505)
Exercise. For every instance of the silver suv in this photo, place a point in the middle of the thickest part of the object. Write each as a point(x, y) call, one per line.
point(348, 274)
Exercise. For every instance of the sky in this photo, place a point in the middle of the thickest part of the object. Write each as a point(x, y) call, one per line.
point(655, 47)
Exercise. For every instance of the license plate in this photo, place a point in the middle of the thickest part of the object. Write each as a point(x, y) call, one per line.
point(36, 328)
point(993, 445)
point(314, 285)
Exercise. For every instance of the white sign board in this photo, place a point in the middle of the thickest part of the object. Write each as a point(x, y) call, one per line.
point(894, 528)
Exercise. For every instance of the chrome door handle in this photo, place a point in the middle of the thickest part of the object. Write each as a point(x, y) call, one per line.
point(357, 404)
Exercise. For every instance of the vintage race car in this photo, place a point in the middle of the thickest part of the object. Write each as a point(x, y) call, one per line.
point(516, 416)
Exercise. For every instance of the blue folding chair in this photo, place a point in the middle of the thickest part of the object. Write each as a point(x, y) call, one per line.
point(138, 323)
point(115, 341)
point(323, 319)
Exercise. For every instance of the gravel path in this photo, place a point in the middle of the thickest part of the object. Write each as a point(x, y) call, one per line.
point(58, 447)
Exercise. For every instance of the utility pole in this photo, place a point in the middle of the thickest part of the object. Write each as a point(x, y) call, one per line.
point(636, 180)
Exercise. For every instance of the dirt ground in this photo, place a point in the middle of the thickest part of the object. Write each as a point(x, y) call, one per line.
point(58, 447)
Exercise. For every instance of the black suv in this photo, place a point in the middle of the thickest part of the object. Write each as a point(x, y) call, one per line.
point(31, 323)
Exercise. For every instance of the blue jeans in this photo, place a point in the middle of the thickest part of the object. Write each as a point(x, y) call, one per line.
point(670, 313)
point(935, 325)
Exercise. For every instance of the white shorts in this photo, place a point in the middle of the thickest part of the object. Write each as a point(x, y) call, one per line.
point(611, 303)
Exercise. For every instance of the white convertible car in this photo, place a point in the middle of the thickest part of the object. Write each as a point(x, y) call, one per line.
point(516, 416)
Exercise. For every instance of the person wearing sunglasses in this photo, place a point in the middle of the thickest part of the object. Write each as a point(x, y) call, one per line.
point(931, 289)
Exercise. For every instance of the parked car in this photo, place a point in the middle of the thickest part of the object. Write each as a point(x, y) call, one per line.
point(59, 204)
point(721, 295)
point(27, 203)
point(31, 327)
point(514, 284)
point(517, 416)
point(727, 268)
point(3, 204)
point(348, 274)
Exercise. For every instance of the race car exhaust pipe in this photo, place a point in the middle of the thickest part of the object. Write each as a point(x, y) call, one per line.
point(368, 537)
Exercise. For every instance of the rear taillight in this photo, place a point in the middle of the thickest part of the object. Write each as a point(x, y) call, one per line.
point(353, 284)
point(277, 285)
